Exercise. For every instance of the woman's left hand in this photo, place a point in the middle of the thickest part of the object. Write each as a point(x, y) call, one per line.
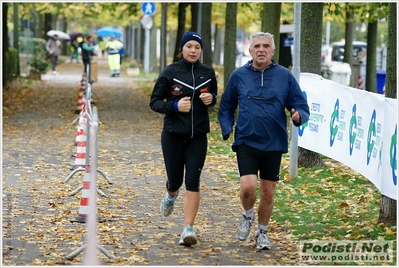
point(206, 98)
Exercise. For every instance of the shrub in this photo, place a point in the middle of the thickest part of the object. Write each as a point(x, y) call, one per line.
point(11, 61)
point(40, 62)
point(35, 44)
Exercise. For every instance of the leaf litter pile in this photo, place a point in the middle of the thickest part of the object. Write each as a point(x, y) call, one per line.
point(38, 141)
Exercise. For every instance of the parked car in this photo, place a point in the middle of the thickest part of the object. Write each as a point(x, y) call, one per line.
point(338, 50)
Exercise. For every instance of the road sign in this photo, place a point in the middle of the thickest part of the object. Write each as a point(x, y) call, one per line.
point(288, 41)
point(147, 22)
point(148, 8)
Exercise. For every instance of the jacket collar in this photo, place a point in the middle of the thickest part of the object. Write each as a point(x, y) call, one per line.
point(188, 64)
point(249, 65)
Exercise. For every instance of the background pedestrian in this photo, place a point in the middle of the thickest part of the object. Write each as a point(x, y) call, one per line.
point(53, 47)
point(74, 51)
point(87, 53)
point(112, 47)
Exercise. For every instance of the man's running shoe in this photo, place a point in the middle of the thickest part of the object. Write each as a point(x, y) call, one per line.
point(244, 228)
point(262, 241)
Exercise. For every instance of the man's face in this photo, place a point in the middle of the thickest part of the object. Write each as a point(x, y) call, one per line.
point(261, 52)
point(55, 37)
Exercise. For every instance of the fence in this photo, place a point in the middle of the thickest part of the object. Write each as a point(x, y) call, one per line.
point(88, 206)
point(355, 127)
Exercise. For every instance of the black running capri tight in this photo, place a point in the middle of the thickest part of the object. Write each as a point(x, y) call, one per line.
point(181, 154)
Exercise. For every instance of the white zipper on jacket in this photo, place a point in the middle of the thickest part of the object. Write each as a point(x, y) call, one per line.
point(262, 77)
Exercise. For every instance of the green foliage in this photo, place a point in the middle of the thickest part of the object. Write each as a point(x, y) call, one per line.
point(31, 45)
point(40, 63)
point(11, 61)
point(369, 12)
point(37, 47)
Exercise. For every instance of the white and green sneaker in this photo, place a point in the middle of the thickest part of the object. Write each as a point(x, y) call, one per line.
point(167, 204)
point(262, 241)
point(187, 237)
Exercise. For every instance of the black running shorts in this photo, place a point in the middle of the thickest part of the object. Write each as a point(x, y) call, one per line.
point(254, 161)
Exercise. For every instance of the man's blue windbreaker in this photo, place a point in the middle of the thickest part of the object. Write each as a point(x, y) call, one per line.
point(261, 98)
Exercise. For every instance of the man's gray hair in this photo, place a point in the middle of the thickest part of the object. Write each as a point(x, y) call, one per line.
point(261, 34)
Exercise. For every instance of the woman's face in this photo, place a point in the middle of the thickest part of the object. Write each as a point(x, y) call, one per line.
point(191, 51)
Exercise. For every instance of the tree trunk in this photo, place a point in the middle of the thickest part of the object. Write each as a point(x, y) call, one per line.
point(311, 37)
point(350, 19)
point(387, 211)
point(5, 30)
point(48, 22)
point(206, 32)
point(310, 61)
point(230, 36)
point(39, 23)
point(5, 37)
point(271, 24)
point(180, 29)
point(63, 26)
point(371, 65)
point(388, 205)
point(391, 78)
point(194, 17)
point(15, 34)
point(217, 46)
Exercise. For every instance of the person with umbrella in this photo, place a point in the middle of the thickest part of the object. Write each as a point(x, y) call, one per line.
point(53, 46)
point(112, 47)
point(74, 48)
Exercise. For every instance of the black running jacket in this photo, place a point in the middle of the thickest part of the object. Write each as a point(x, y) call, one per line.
point(178, 80)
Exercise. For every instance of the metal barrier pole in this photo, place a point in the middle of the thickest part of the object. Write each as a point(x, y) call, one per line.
point(90, 256)
point(88, 108)
point(88, 72)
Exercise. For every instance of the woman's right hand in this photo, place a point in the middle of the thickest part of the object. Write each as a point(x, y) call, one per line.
point(184, 105)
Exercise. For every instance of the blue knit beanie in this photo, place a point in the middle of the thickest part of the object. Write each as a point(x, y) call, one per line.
point(190, 36)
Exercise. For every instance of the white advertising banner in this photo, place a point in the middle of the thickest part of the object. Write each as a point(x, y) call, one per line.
point(354, 127)
point(390, 153)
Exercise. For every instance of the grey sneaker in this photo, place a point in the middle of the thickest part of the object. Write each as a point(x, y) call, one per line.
point(262, 241)
point(244, 228)
point(187, 237)
point(167, 205)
